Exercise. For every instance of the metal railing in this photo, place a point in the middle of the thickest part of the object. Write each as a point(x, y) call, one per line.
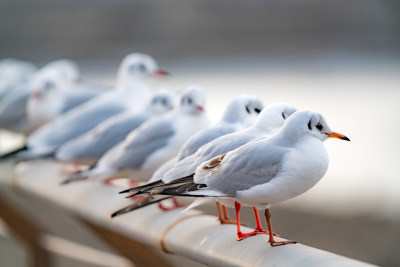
point(190, 234)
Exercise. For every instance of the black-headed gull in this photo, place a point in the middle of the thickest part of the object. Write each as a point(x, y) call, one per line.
point(241, 112)
point(269, 122)
point(55, 89)
point(263, 172)
point(89, 147)
point(131, 93)
point(153, 143)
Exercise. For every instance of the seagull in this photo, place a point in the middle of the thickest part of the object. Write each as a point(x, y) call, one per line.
point(131, 93)
point(262, 173)
point(241, 113)
point(269, 122)
point(55, 89)
point(153, 143)
point(14, 73)
point(14, 79)
point(22, 113)
point(89, 147)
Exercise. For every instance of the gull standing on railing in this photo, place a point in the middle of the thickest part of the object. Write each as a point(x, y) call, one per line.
point(261, 173)
point(55, 89)
point(131, 93)
point(241, 113)
point(269, 122)
point(153, 143)
point(89, 147)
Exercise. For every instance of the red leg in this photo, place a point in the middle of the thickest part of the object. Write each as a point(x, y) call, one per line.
point(68, 171)
point(175, 206)
point(224, 217)
point(271, 237)
point(109, 181)
point(239, 232)
point(162, 207)
point(259, 229)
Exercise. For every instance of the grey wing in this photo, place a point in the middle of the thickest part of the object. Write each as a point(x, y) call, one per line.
point(202, 138)
point(224, 144)
point(80, 95)
point(96, 142)
point(13, 106)
point(73, 123)
point(214, 148)
point(147, 139)
point(248, 166)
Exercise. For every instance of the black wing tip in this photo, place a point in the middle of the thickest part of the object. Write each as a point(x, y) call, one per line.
point(125, 191)
point(13, 152)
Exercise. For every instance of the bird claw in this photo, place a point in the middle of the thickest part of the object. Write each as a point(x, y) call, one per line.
point(281, 243)
point(227, 221)
point(241, 236)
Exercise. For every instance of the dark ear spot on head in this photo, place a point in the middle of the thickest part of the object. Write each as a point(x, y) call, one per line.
point(247, 109)
point(283, 116)
point(309, 125)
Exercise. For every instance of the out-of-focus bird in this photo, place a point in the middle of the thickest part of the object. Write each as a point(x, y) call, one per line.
point(89, 147)
point(153, 143)
point(56, 89)
point(269, 122)
point(131, 93)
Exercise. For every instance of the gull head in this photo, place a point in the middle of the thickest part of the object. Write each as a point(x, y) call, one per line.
point(139, 66)
point(193, 100)
point(308, 123)
point(273, 117)
point(243, 109)
point(68, 69)
point(46, 83)
point(162, 101)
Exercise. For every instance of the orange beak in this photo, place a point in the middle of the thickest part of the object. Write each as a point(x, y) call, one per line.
point(338, 135)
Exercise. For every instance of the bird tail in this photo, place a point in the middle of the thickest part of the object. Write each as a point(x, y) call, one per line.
point(156, 186)
point(82, 175)
point(139, 189)
point(27, 155)
point(11, 154)
point(139, 204)
point(179, 187)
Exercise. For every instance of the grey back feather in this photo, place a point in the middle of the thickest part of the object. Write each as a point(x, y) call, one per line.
point(245, 168)
point(148, 138)
point(204, 137)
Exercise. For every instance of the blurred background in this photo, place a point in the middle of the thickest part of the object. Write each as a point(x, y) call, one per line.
point(341, 58)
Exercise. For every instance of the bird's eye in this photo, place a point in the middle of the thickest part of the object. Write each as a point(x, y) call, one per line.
point(189, 100)
point(142, 67)
point(257, 110)
point(319, 127)
point(247, 109)
point(309, 125)
point(48, 85)
point(283, 116)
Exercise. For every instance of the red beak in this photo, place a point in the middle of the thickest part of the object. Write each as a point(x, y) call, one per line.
point(161, 72)
point(200, 108)
point(36, 94)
